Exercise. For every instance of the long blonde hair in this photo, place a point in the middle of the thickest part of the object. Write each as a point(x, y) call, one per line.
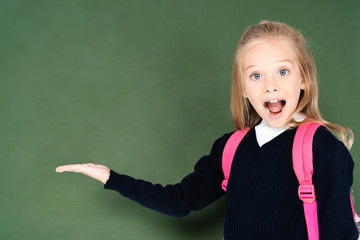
point(244, 115)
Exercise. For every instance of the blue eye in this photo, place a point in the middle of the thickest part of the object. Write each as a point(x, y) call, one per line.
point(283, 72)
point(255, 76)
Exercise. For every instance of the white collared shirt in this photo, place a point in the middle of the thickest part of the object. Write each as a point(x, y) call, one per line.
point(265, 133)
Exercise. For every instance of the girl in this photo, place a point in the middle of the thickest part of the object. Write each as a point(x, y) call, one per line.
point(273, 90)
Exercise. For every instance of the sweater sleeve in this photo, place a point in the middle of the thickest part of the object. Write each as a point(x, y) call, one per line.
point(333, 176)
point(194, 192)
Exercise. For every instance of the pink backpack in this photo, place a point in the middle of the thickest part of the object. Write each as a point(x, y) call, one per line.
point(303, 167)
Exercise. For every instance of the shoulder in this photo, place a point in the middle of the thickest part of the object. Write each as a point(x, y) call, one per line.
point(325, 140)
point(329, 150)
point(217, 148)
point(212, 162)
point(220, 143)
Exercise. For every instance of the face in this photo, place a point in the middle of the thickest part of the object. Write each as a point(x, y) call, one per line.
point(272, 81)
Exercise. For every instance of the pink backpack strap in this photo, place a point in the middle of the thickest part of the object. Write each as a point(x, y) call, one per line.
point(303, 166)
point(356, 217)
point(229, 153)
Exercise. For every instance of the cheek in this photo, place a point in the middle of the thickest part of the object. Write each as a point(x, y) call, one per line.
point(249, 94)
point(294, 87)
point(255, 102)
point(295, 95)
point(249, 89)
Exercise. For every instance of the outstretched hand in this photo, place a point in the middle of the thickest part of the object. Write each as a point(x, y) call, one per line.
point(98, 172)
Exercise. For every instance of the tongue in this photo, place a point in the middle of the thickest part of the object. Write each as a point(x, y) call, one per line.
point(274, 107)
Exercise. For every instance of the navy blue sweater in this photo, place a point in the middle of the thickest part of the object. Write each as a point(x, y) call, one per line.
point(261, 198)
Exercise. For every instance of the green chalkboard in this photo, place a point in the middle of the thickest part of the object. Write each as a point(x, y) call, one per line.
point(144, 88)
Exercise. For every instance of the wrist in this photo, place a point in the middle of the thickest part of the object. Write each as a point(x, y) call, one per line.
point(106, 177)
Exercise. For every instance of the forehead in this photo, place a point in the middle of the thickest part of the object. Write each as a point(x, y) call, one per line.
point(268, 52)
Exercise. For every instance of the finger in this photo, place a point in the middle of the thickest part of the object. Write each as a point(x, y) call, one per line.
point(61, 169)
point(69, 168)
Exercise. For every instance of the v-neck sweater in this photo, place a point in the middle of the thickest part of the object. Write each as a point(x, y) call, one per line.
point(261, 198)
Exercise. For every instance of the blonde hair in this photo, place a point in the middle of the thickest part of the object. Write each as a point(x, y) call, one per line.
point(244, 115)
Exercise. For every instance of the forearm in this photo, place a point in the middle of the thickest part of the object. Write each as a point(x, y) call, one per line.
point(174, 200)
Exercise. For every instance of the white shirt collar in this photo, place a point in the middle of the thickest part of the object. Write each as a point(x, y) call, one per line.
point(265, 133)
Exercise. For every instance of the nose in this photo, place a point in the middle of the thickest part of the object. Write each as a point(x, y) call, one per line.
point(270, 86)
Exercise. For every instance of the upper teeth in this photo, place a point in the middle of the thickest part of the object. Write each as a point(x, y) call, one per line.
point(274, 101)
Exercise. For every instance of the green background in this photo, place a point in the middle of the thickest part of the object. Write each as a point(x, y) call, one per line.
point(144, 88)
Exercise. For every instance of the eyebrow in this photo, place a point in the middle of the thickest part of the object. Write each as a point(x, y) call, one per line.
point(284, 60)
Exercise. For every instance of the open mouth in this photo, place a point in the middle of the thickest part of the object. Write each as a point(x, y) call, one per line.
point(275, 106)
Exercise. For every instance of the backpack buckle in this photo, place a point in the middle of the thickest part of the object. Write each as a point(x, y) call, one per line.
point(307, 193)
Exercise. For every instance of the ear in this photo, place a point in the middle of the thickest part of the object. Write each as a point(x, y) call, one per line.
point(244, 94)
point(302, 84)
